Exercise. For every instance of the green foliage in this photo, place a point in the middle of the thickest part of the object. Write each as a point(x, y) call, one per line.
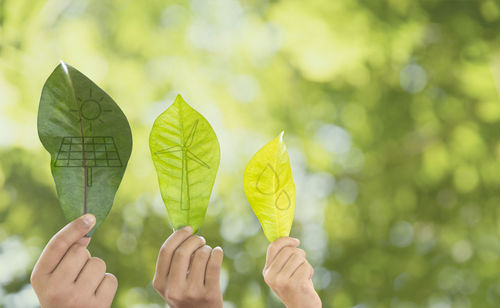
point(392, 116)
point(89, 141)
point(270, 189)
point(186, 154)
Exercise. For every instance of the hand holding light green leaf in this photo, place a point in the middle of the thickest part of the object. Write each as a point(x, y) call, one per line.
point(270, 189)
point(186, 155)
point(89, 141)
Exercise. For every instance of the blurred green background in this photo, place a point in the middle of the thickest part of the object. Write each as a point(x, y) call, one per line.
point(391, 110)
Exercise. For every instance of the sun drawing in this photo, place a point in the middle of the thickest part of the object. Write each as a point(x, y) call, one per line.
point(91, 110)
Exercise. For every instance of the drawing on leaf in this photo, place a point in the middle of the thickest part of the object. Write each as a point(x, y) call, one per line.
point(89, 141)
point(91, 109)
point(270, 189)
point(88, 152)
point(275, 188)
point(186, 156)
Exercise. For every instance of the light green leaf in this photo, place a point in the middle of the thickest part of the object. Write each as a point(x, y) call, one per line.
point(270, 189)
point(89, 141)
point(186, 155)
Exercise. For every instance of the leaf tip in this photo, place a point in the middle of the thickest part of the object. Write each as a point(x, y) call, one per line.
point(281, 142)
point(63, 65)
point(179, 98)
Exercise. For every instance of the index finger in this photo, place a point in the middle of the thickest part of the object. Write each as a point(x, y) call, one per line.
point(167, 250)
point(62, 241)
point(275, 247)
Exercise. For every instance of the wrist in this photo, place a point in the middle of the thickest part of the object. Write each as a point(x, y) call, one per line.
point(315, 304)
point(308, 299)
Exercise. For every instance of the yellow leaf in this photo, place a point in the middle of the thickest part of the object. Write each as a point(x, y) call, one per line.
point(270, 189)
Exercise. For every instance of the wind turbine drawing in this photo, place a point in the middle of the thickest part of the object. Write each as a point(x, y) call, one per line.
point(187, 155)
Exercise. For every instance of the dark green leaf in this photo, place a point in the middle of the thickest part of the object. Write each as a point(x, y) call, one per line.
point(89, 141)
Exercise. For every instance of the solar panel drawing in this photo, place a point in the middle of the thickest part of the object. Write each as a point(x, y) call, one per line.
point(88, 153)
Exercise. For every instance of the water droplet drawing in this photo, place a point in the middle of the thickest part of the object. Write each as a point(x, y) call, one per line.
point(264, 174)
point(287, 203)
point(260, 186)
point(187, 155)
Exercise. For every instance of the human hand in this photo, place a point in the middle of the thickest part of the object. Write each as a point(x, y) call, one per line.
point(187, 271)
point(66, 275)
point(288, 274)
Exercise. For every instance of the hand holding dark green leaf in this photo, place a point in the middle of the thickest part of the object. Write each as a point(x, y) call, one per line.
point(89, 141)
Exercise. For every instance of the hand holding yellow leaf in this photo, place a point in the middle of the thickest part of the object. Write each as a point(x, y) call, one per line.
point(270, 189)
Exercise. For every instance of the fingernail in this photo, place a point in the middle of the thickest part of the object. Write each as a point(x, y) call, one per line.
point(188, 229)
point(218, 248)
point(88, 220)
point(204, 240)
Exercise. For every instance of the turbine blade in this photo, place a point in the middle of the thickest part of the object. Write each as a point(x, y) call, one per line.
point(192, 156)
point(190, 137)
point(169, 150)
